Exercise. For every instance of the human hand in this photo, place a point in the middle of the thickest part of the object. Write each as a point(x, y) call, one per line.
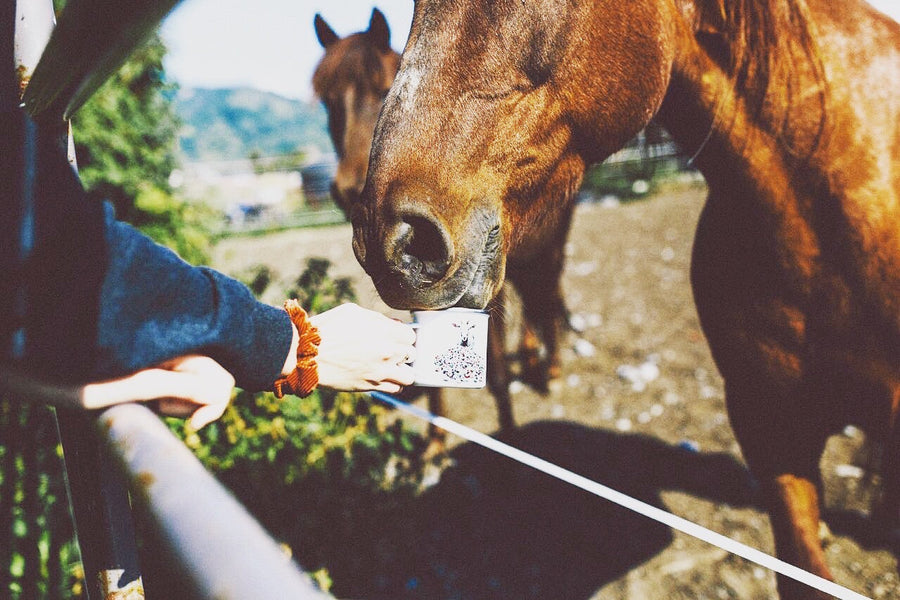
point(195, 386)
point(363, 350)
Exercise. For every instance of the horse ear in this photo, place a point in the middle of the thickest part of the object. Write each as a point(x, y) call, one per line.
point(379, 30)
point(324, 32)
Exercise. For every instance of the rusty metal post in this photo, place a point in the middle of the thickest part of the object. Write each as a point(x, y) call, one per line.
point(102, 510)
point(225, 551)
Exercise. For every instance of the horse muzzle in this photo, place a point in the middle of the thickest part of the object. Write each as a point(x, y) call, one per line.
point(417, 263)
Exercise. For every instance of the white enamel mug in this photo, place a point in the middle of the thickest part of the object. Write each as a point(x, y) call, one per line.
point(451, 347)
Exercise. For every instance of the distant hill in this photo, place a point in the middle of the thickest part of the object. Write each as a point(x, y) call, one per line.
point(231, 124)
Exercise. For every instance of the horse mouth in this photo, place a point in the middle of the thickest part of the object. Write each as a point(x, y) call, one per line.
point(488, 273)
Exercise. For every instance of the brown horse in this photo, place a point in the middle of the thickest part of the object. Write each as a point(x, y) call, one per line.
point(791, 109)
point(352, 80)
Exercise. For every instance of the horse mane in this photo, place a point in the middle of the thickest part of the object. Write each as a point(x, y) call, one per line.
point(768, 43)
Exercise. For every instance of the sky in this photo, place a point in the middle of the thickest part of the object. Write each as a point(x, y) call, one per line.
point(266, 44)
point(271, 44)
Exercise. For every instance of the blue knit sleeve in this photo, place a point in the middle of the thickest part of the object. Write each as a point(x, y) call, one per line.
point(154, 306)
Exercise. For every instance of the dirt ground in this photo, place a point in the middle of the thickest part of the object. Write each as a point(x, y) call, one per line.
point(664, 439)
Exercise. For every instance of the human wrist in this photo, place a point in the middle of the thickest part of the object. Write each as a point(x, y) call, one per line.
point(290, 360)
point(301, 378)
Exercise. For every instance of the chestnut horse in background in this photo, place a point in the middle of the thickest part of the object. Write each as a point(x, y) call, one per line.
point(791, 108)
point(352, 80)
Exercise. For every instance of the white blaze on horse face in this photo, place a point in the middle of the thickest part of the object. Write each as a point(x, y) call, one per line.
point(405, 85)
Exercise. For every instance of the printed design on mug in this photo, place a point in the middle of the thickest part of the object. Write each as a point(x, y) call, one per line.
point(460, 362)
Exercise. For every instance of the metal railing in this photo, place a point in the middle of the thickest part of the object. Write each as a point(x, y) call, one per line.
point(224, 549)
point(226, 553)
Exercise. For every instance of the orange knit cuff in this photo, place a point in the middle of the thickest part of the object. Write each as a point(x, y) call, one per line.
point(305, 376)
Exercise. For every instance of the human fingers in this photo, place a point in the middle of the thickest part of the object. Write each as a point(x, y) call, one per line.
point(388, 387)
point(402, 332)
point(401, 374)
point(199, 417)
point(390, 379)
point(203, 393)
point(179, 385)
point(406, 355)
point(174, 407)
point(207, 414)
point(136, 387)
point(203, 366)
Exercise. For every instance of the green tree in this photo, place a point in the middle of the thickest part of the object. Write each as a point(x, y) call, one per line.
point(125, 140)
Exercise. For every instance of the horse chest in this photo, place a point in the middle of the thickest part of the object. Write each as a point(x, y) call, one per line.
point(774, 299)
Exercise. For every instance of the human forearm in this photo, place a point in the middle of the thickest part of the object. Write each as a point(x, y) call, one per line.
point(154, 306)
point(194, 386)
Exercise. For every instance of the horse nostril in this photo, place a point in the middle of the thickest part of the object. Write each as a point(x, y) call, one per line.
point(424, 249)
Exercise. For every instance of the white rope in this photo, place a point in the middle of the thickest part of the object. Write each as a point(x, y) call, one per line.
point(657, 514)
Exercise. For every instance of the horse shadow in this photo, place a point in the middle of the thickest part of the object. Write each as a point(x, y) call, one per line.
point(493, 528)
point(870, 533)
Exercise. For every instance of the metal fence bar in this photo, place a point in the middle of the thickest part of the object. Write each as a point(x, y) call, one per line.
point(221, 546)
point(104, 525)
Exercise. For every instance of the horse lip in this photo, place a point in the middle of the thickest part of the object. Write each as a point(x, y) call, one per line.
point(480, 289)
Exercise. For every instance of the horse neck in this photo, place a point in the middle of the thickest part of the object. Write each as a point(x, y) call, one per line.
point(702, 112)
point(713, 122)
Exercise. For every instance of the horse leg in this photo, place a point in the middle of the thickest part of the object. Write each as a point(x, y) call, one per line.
point(886, 513)
point(497, 371)
point(530, 350)
point(794, 513)
point(783, 448)
point(543, 312)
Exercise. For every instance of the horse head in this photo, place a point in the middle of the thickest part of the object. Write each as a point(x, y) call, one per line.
point(352, 79)
point(494, 114)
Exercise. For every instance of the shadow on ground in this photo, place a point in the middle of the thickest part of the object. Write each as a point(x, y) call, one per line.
point(493, 528)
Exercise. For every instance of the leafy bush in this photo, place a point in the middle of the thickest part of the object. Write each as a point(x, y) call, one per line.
point(316, 291)
point(39, 558)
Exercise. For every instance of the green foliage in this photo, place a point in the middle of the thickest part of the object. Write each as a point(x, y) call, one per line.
point(259, 279)
point(181, 226)
point(266, 443)
point(125, 134)
point(317, 292)
point(38, 553)
point(125, 141)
